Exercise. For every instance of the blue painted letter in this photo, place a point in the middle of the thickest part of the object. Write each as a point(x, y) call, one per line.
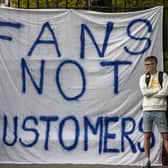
point(76, 132)
point(39, 41)
point(116, 64)
point(48, 119)
point(15, 127)
point(94, 128)
point(32, 130)
point(148, 41)
point(84, 28)
point(24, 68)
point(108, 135)
point(82, 75)
point(12, 25)
point(125, 133)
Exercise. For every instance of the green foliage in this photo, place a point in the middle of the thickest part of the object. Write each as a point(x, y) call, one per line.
point(118, 4)
point(48, 3)
point(72, 3)
point(138, 3)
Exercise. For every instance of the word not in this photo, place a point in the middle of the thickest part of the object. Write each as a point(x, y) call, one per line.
point(39, 85)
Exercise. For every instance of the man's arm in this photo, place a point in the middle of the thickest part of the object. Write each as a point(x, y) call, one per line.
point(146, 91)
point(164, 90)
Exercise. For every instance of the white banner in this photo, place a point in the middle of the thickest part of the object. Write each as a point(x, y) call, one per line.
point(69, 88)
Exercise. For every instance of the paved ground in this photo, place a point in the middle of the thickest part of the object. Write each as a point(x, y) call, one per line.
point(68, 166)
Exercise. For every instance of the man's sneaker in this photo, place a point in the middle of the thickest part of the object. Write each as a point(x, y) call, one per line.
point(146, 164)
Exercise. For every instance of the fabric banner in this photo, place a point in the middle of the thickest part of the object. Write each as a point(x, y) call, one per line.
point(69, 85)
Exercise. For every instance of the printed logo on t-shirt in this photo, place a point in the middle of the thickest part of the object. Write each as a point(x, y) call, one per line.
point(154, 84)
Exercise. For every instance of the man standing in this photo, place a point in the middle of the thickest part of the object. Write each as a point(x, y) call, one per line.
point(154, 105)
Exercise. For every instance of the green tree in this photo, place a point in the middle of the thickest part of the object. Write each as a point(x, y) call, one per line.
point(48, 3)
point(118, 4)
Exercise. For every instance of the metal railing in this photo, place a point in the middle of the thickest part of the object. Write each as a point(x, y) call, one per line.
point(105, 5)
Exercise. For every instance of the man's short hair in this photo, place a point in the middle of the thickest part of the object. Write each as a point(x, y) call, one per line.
point(151, 58)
